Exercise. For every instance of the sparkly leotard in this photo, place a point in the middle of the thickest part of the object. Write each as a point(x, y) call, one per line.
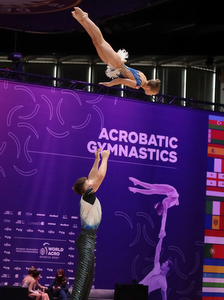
point(90, 214)
point(123, 71)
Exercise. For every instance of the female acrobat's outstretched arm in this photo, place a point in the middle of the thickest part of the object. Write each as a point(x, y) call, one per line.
point(125, 81)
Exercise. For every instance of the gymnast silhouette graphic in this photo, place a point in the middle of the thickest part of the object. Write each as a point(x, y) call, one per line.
point(156, 279)
point(159, 189)
point(116, 68)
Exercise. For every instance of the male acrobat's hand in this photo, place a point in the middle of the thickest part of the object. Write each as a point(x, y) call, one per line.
point(105, 154)
point(97, 153)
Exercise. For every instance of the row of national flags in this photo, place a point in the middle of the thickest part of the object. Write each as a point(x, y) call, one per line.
point(213, 267)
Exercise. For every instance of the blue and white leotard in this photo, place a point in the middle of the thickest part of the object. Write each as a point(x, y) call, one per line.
point(134, 72)
point(90, 210)
point(123, 70)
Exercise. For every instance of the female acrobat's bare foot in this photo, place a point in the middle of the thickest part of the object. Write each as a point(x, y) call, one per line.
point(79, 15)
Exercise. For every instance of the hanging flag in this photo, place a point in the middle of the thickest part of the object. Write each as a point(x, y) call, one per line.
point(214, 193)
point(214, 239)
point(214, 222)
point(215, 208)
point(216, 136)
point(213, 266)
point(216, 122)
point(215, 165)
point(215, 150)
point(215, 179)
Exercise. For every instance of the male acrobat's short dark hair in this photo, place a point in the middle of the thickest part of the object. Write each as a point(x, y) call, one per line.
point(79, 186)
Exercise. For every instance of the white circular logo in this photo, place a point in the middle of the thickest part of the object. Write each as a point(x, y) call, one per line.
point(42, 251)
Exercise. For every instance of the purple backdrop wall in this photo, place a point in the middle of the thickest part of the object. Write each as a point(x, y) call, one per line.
point(47, 140)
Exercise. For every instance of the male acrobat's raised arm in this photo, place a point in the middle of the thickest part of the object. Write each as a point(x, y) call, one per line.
point(93, 172)
point(97, 173)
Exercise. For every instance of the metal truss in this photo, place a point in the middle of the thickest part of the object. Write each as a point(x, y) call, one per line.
point(132, 94)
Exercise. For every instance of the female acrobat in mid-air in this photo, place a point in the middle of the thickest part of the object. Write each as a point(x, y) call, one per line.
point(116, 69)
